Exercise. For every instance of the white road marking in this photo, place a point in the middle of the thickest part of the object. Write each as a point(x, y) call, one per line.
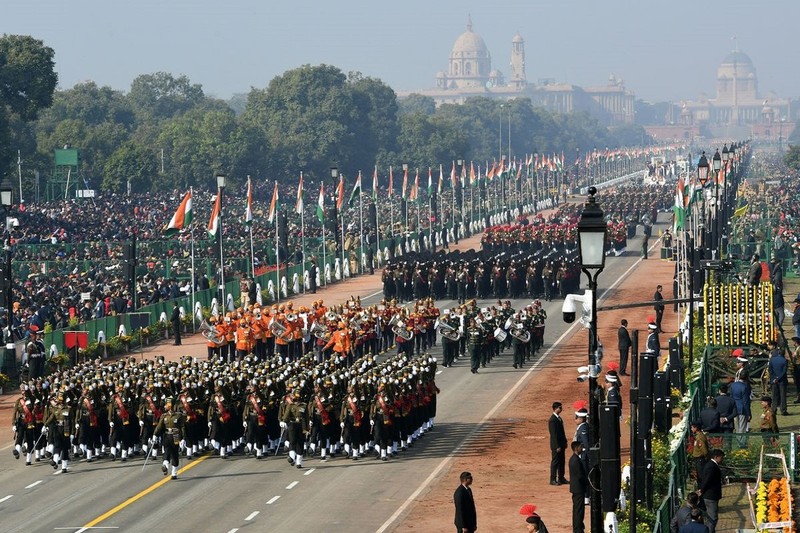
point(309, 471)
point(439, 372)
point(82, 529)
point(33, 484)
point(6, 498)
point(273, 500)
point(500, 403)
point(251, 516)
point(292, 485)
point(234, 530)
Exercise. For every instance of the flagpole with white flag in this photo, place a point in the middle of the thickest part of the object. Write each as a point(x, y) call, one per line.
point(299, 209)
point(321, 218)
point(273, 217)
point(191, 236)
point(375, 203)
point(391, 205)
point(248, 220)
point(361, 224)
point(215, 230)
point(339, 207)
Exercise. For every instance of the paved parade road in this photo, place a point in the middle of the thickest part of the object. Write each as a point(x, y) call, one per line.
point(240, 493)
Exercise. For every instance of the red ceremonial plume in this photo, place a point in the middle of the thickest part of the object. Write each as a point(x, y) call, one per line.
point(528, 509)
point(613, 366)
point(580, 404)
point(651, 319)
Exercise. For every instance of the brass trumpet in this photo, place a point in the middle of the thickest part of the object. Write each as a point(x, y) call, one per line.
point(210, 333)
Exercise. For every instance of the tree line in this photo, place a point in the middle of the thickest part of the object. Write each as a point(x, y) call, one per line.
point(165, 133)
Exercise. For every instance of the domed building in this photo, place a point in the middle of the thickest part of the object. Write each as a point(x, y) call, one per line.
point(469, 73)
point(738, 111)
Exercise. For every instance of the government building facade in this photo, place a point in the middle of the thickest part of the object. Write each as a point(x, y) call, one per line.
point(470, 74)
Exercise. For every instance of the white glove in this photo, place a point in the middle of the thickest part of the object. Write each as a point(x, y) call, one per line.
point(311, 423)
point(13, 428)
point(45, 430)
point(342, 424)
point(110, 424)
point(151, 441)
point(371, 422)
point(283, 424)
point(209, 424)
point(183, 445)
point(141, 423)
point(244, 423)
point(78, 426)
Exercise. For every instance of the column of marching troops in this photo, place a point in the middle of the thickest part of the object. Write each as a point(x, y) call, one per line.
point(323, 393)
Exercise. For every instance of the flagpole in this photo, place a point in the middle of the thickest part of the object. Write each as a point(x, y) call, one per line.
point(341, 214)
point(220, 187)
point(375, 203)
point(302, 232)
point(361, 223)
point(194, 278)
point(250, 229)
point(277, 248)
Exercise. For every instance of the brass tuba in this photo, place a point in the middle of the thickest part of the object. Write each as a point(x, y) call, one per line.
point(400, 330)
point(519, 332)
point(276, 328)
point(319, 331)
point(448, 331)
point(210, 333)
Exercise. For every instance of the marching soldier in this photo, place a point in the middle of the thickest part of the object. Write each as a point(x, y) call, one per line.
point(476, 337)
point(86, 416)
point(294, 419)
point(121, 420)
point(321, 421)
point(171, 427)
point(351, 416)
point(381, 411)
point(219, 416)
point(255, 422)
point(243, 339)
point(193, 416)
point(59, 419)
point(149, 414)
point(24, 425)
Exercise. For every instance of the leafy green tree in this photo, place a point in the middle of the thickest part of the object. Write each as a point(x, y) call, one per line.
point(129, 163)
point(27, 82)
point(196, 145)
point(376, 105)
point(308, 117)
point(792, 157)
point(161, 96)
point(417, 103)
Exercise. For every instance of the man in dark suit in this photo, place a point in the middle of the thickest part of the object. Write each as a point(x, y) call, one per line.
point(466, 519)
point(624, 338)
point(695, 524)
point(176, 323)
point(578, 486)
point(711, 488)
point(727, 410)
point(558, 446)
point(659, 307)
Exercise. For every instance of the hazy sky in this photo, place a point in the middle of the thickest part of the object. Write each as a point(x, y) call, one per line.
point(663, 50)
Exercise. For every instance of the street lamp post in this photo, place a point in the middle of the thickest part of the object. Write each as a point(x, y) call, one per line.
point(702, 177)
point(592, 231)
point(9, 357)
point(717, 166)
point(503, 184)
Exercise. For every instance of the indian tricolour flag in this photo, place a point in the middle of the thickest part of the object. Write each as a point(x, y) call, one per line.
point(680, 205)
point(273, 205)
point(248, 211)
point(356, 192)
point(321, 203)
point(182, 217)
point(213, 222)
point(298, 208)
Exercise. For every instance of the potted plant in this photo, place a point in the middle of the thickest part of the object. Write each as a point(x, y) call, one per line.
point(58, 361)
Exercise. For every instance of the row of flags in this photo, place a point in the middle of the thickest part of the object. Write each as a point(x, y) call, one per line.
point(533, 163)
point(685, 194)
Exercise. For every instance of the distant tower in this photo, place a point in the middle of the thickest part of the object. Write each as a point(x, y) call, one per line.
point(518, 80)
point(470, 62)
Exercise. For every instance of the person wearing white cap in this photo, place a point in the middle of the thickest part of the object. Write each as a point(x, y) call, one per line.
point(653, 344)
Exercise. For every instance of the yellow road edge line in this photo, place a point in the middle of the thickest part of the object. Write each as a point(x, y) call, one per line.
point(143, 493)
